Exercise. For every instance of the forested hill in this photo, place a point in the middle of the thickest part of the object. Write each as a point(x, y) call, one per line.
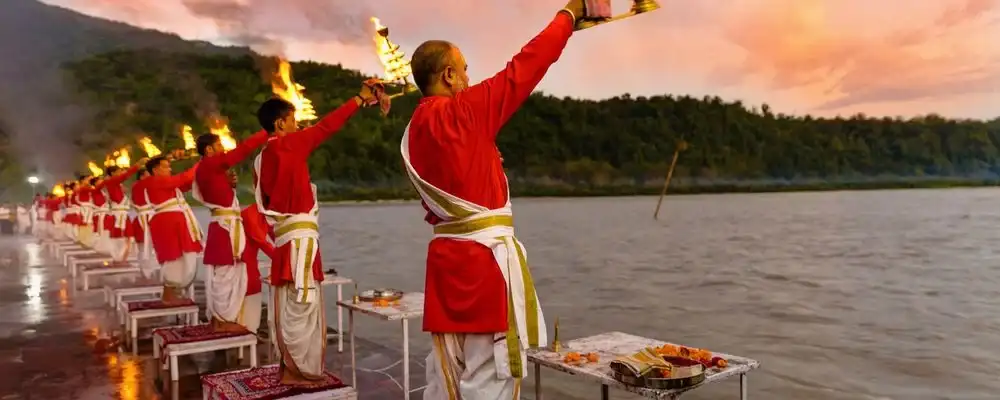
point(556, 145)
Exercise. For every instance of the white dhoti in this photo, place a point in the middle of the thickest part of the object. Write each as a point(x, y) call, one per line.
point(118, 247)
point(503, 359)
point(226, 288)
point(250, 316)
point(180, 273)
point(301, 332)
point(463, 366)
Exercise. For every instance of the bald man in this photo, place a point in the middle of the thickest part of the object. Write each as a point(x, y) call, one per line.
point(481, 307)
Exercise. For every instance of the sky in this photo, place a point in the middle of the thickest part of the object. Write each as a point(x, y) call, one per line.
point(821, 57)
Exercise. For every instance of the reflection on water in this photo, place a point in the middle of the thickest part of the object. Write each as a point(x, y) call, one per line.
point(127, 369)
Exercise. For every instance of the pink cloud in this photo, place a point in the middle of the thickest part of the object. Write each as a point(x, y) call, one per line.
point(826, 56)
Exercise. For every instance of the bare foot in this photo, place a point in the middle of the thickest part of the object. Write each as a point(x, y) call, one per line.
point(225, 326)
point(287, 378)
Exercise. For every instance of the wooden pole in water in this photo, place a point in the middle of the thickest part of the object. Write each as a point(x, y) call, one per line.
point(666, 182)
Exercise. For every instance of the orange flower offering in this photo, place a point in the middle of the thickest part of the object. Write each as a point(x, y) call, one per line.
point(701, 355)
point(577, 358)
point(663, 372)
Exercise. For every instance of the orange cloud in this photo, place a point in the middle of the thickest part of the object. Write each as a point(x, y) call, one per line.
point(826, 56)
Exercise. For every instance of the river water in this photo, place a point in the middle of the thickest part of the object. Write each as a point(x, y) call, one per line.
point(840, 295)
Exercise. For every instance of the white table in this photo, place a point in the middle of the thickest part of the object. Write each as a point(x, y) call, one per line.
point(76, 263)
point(103, 270)
point(81, 252)
point(52, 245)
point(114, 295)
point(58, 250)
point(328, 280)
point(612, 345)
point(172, 351)
point(131, 318)
point(409, 307)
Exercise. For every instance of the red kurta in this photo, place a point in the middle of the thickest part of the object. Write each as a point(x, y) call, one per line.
point(255, 228)
point(98, 199)
point(51, 207)
point(215, 188)
point(138, 200)
point(169, 230)
point(285, 184)
point(116, 194)
point(453, 147)
point(71, 218)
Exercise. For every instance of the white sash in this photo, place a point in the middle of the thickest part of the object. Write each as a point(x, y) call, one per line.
point(464, 220)
point(177, 204)
point(301, 231)
point(119, 211)
point(228, 218)
point(143, 214)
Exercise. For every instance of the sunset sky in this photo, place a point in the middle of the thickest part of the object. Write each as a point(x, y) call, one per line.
point(826, 57)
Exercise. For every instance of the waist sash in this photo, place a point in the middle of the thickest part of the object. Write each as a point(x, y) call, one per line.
point(178, 204)
point(119, 211)
point(229, 219)
point(464, 220)
point(143, 214)
point(301, 232)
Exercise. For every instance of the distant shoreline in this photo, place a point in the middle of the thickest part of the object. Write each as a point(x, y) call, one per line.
point(401, 196)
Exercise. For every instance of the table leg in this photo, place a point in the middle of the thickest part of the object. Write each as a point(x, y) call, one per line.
point(604, 392)
point(253, 355)
point(340, 319)
point(406, 359)
point(86, 281)
point(173, 369)
point(134, 328)
point(354, 365)
point(538, 381)
point(743, 386)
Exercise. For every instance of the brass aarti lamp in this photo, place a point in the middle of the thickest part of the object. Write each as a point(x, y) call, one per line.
point(638, 7)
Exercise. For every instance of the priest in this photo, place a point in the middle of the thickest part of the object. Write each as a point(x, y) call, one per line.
point(116, 221)
point(173, 228)
point(227, 280)
point(139, 227)
point(287, 197)
point(481, 307)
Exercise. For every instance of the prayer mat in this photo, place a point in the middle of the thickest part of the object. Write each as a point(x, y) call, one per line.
point(191, 334)
point(260, 384)
point(157, 305)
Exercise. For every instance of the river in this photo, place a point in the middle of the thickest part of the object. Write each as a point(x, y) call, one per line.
point(840, 295)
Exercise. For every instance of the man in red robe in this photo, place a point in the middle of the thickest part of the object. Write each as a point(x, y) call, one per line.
point(71, 212)
point(84, 196)
point(480, 306)
point(116, 220)
point(226, 282)
point(139, 231)
point(287, 197)
point(100, 210)
point(173, 228)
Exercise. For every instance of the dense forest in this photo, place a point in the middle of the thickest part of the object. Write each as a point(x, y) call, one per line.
point(552, 146)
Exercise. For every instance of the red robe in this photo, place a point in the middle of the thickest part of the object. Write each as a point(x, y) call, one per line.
point(116, 194)
point(215, 188)
point(51, 208)
point(285, 184)
point(98, 199)
point(138, 200)
point(255, 228)
point(453, 147)
point(169, 230)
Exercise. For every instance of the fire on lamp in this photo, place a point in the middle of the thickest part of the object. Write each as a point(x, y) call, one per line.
point(397, 68)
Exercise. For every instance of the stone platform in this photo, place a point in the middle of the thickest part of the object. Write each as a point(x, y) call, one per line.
point(52, 340)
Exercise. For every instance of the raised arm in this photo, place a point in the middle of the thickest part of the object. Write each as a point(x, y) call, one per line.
point(180, 181)
point(306, 140)
point(493, 101)
point(118, 179)
point(243, 149)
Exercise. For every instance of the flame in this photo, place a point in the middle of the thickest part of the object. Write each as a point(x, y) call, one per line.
point(94, 169)
point(122, 159)
point(397, 68)
point(282, 86)
point(188, 138)
point(226, 137)
point(149, 147)
point(58, 190)
point(109, 161)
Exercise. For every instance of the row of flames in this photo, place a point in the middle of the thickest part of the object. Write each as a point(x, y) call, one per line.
point(396, 69)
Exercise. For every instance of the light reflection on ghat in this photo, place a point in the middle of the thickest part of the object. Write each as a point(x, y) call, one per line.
point(34, 254)
point(34, 294)
point(129, 372)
